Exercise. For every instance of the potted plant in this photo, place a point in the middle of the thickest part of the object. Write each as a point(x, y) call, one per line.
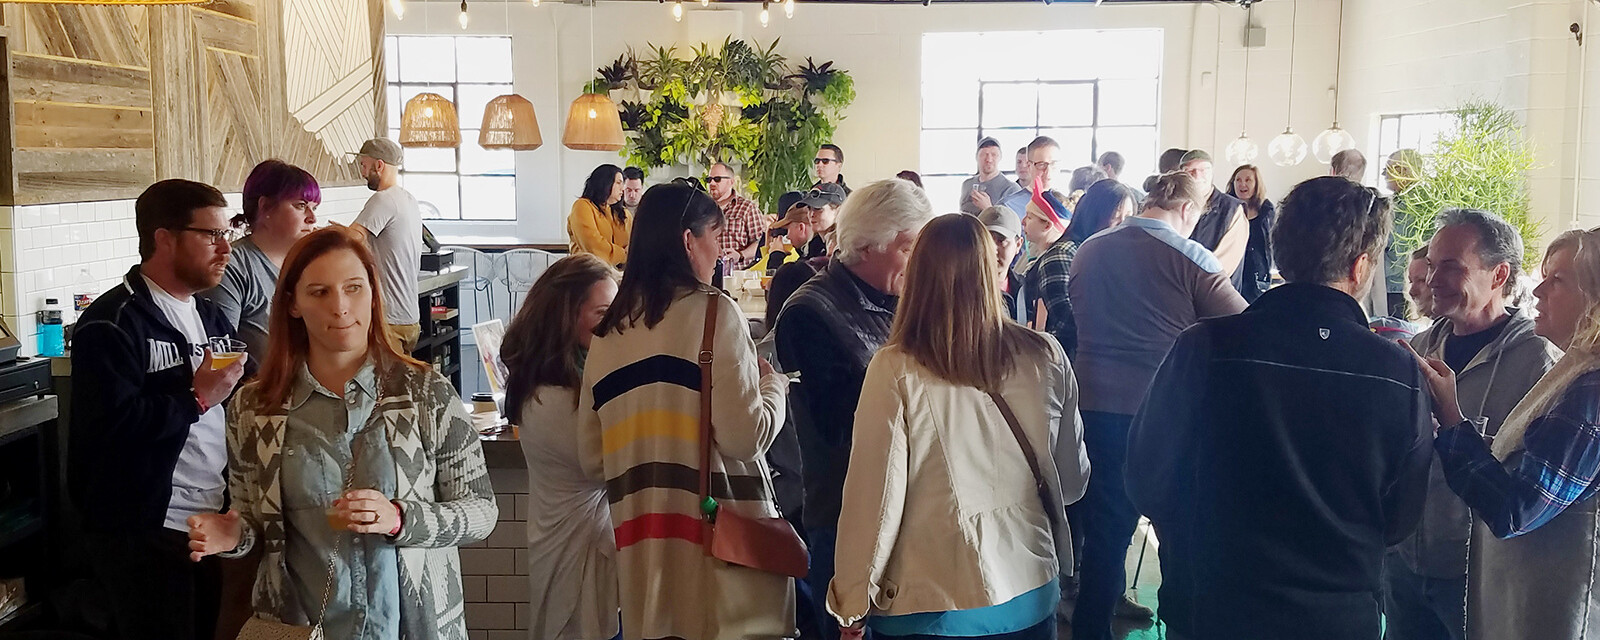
point(1481, 164)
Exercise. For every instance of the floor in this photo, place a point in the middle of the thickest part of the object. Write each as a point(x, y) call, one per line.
point(1144, 589)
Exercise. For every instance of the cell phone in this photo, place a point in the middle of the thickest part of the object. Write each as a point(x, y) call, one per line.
point(780, 232)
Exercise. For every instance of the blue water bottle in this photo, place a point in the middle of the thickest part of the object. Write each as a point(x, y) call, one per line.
point(51, 340)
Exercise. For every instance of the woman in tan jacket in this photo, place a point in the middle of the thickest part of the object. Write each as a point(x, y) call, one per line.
point(598, 224)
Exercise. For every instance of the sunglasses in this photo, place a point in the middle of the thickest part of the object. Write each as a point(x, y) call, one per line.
point(822, 160)
point(716, 179)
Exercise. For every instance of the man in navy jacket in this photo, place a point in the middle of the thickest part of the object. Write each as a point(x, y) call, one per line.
point(147, 445)
point(1282, 449)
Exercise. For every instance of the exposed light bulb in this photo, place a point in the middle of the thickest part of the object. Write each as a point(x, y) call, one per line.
point(677, 11)
point(765, 15)
point(427, 112)
point(593, 114)
point(1330, 142)
point(1242, 150)
point(399, 8)
point(705, 3)
point(788, 8)
point(535, 2)
point(463, 17)
point(1288, 149)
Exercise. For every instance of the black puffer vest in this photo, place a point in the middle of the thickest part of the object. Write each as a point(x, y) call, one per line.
point(1220, 210)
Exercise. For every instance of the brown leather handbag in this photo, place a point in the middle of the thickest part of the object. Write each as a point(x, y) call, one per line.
point(763, 543)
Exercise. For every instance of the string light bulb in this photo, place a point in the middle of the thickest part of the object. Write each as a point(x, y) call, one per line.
point(462, 18)
point(399, 8)
point(766, 17)
point(677, 11)
point(788, 8)
point(535, 2)
point(705, 3)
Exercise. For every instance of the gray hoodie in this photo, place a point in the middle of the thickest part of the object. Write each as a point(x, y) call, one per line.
point(1490, 386)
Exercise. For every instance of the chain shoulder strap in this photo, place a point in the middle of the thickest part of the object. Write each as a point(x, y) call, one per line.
point(333, 560)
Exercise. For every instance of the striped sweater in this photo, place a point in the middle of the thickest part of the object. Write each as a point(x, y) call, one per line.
point(640, 435)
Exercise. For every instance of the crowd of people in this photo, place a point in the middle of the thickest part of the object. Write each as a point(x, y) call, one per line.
point(944, 426)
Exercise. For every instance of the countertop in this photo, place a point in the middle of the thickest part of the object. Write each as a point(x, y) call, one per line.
point(25, 413)
point(431, 281)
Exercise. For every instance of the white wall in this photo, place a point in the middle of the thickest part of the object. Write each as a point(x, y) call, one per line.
point(44, 248)
point(1202, 80)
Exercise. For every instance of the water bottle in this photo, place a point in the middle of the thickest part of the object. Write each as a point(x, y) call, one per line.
point(83, 292)
point(52, 342)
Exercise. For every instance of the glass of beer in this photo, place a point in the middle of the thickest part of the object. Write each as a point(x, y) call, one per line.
point(225, 352)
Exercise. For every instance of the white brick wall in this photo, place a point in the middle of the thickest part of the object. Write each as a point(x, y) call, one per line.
point(44, 249)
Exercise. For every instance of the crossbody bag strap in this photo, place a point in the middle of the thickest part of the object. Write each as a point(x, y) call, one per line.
point(705, 403)
point(1027, 453)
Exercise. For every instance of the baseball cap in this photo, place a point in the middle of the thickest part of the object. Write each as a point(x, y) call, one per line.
point(1001, 220)
point(793, 214)
point(822, 195)
point(1193, 155)
point(383, 149)
point(788, 201)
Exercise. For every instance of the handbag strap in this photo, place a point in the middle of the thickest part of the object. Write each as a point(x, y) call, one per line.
point(1033, 460)
point(327, 587)
point(706, 508)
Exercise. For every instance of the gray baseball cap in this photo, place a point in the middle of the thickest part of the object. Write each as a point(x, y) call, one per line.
point(383, 149)
point(1001, 220)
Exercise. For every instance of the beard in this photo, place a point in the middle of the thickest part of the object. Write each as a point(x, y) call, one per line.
point(197, 275)
point(372, 182)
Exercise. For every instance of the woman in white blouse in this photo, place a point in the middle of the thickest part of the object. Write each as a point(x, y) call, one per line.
point(571, 561)
point(950, 527)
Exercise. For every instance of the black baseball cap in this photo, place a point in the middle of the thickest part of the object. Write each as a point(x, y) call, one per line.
point(822, 195)
point(788, 201)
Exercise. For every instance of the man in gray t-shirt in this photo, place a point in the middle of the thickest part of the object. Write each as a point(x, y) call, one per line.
point(393, 224)
point(989, 187)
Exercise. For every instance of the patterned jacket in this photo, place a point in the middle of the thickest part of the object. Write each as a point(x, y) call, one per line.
point(444, 493)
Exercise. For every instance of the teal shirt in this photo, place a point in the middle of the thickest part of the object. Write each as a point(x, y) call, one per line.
point(1011, 616)
point(320, 430)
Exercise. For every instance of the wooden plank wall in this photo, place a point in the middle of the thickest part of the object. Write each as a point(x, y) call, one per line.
point(104, 100)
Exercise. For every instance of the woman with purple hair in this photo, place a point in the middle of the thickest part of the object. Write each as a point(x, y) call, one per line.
point(280, 207)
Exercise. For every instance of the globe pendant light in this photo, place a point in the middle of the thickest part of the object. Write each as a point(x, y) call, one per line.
point(1243, 150)
point(593, 123)
point(1333, 139)
point(1289, 149)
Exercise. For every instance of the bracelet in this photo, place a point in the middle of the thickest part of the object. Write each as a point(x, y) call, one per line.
point(396, 530)
point(199, 401)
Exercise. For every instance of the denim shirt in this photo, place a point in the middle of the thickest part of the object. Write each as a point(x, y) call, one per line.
point(321, 427)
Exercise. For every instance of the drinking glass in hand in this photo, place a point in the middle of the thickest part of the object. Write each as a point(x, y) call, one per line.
point(225, 352)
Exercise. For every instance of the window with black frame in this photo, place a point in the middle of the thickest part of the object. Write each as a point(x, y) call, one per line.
point(469, 182)
point(1015, 86)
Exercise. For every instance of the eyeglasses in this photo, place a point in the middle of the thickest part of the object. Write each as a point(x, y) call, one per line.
point(1043, 166)
point(822, 160)
point(716, 179)
point(219, 237)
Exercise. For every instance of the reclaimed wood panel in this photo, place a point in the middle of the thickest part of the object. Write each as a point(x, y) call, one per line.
point(219, 31)
point(67, 175)
point(55, 125)
point(54, 79)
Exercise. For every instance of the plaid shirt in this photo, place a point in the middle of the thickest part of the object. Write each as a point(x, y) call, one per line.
point(744, 225)
point(1047, 280)
point(1558, 468)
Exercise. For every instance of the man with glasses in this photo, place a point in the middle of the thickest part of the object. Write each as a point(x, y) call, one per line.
point(830, 165)
point(1042, 167)
point(148, 446)
point(744, 228)
point(393, 224)
point(1223, 228)
point(989, 186)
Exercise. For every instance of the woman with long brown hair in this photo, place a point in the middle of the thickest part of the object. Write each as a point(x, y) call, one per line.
point(966, 447)
point(348, 460)
point(1245, 184)
point(572, 569)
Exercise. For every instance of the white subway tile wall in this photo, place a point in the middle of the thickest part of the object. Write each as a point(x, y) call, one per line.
point(44, 250)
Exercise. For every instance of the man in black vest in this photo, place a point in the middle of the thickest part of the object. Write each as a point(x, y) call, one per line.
point(1223, 229)
point(827, 332)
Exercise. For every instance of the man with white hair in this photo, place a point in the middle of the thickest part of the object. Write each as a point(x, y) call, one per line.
point(828, 331)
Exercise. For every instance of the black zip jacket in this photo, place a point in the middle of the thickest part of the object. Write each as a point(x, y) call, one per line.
point(1278, 453)
point(132, 405)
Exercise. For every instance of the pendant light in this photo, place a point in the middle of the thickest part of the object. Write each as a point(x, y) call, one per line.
point(766, 16)
point(462, 18)
point(677, 11)
point(1289, 149)
point(429, 120)
point(509, 121)
point(1333, 140)
point(788, 8)
point(592, 121)
point(1243, 150)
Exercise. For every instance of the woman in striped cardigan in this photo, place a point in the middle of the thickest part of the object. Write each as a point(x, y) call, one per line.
point(640, 432)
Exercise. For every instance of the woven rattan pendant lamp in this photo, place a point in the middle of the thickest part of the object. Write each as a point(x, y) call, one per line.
point(430, 121)
point(509, 123)
point(592, 122)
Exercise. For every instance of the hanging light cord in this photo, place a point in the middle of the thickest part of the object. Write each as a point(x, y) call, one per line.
point(1338, 64)
point(1294, 19)
point(1583, 66)
point(1249, 19)
point(591, 36)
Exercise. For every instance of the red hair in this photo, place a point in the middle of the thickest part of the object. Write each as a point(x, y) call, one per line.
point(289, 343)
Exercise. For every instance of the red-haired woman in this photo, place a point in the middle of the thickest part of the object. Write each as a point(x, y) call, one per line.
point(348, 460)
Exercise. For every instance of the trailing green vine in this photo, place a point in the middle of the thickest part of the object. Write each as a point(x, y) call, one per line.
point(737, 103)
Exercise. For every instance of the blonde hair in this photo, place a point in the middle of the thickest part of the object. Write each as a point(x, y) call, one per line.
point(1170, 190)
point(950, 317)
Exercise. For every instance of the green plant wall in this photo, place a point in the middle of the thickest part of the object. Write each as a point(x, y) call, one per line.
point(737, 103)
point(1483, 164)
